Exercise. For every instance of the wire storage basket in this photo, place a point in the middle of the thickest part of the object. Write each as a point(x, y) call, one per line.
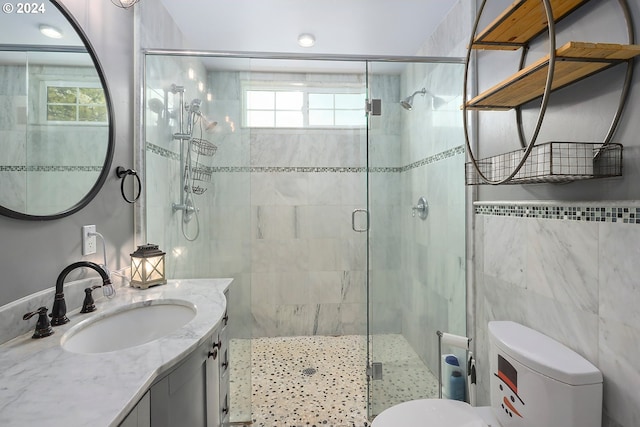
point(203, 147)
point(551, 162)
point(198, 173)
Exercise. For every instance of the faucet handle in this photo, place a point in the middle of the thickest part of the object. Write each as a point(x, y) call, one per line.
point(43, 327)
point(88, 305)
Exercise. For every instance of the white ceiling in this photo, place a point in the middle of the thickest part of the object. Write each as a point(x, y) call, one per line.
point(341, 27)
point(19, 29)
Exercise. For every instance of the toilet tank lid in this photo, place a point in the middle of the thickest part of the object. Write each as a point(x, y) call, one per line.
point(543, 354)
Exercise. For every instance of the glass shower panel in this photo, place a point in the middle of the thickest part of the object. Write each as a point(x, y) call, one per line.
point(308, 174)
point(416, 273)
point(221, 247)
point(230, 216)
point(309, 209)
point(308, 264)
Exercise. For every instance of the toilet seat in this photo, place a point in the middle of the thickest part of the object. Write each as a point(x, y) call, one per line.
point(430, 412)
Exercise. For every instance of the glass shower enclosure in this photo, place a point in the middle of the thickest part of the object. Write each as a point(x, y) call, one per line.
point(309, 200)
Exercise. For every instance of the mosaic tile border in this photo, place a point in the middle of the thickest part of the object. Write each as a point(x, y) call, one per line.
point(156, 149)
point(452, 152)
point(317, 169)
point(570, 212)
point(50, 168)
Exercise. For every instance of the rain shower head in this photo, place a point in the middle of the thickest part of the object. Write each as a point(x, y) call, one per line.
point(407, 103)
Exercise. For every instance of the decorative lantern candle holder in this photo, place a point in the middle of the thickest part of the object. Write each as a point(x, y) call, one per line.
point(147, 267)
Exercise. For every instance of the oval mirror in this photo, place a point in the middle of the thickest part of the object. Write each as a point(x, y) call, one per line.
point(56, 121)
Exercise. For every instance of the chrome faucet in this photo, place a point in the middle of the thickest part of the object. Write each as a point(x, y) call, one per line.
point(59, 310)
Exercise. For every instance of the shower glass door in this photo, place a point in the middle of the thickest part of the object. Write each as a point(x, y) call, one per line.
point(416, 282)
point(306, 123)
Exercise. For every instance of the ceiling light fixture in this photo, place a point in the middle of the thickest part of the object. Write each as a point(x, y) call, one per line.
point(306, 40)
point(125, 4)
point(50, 31)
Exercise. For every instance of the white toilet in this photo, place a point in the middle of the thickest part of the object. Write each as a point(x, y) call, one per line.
point(535, 382)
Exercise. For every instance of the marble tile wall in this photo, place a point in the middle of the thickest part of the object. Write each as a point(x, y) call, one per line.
point(308, 267)
point(571, 279)
point(302, 268)
point(299, 268)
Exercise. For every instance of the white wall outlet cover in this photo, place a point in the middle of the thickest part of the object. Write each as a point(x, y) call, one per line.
point(89, 241)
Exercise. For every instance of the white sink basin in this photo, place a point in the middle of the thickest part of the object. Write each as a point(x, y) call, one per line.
point(128, 326)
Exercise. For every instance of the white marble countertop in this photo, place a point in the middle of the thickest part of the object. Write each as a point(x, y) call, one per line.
point(40, 382)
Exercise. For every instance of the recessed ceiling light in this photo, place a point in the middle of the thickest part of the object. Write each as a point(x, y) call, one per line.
point(306, 40)
point(50, 31)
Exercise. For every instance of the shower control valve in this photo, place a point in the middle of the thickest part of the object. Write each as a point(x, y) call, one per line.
point(422, 208)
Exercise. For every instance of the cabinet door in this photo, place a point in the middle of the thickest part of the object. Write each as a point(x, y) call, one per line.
point(140, 415)
point(180, 398)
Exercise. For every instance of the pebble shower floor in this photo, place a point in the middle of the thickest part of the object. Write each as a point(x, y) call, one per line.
point(320, 381)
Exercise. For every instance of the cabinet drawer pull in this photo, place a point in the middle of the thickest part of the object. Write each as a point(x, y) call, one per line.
point(213, 353)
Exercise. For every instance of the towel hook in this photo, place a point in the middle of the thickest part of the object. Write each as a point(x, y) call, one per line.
point(122, 173)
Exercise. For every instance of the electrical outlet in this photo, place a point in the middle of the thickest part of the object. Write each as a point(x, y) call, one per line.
point(88, 240)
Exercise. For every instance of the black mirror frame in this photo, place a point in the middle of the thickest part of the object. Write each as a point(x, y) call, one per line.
point(111, 141)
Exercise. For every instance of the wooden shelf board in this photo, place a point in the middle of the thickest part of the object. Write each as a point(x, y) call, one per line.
point(574, 61)
point(521, 22)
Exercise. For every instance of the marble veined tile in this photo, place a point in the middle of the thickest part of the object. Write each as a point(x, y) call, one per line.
point(619, 271)
point(504, 249)
point(562, 261)
point(619, 348)
point(275, 222)
point(577, 329)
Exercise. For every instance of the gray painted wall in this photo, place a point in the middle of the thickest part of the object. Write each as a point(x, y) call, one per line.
point(33, 253)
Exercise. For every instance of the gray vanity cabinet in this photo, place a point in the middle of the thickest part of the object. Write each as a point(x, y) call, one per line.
point(190, 394)
point(193, 394)
point(180, 398)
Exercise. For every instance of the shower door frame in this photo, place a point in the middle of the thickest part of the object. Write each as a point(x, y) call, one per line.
point(140, 211)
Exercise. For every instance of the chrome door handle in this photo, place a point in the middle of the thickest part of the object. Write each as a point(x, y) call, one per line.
point(353, 220)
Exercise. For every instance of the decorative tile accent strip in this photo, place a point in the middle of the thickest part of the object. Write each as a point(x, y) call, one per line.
point(621, 214)
point(436, 158)
point(162, 151)
point(284, 169)
point(50, 168)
